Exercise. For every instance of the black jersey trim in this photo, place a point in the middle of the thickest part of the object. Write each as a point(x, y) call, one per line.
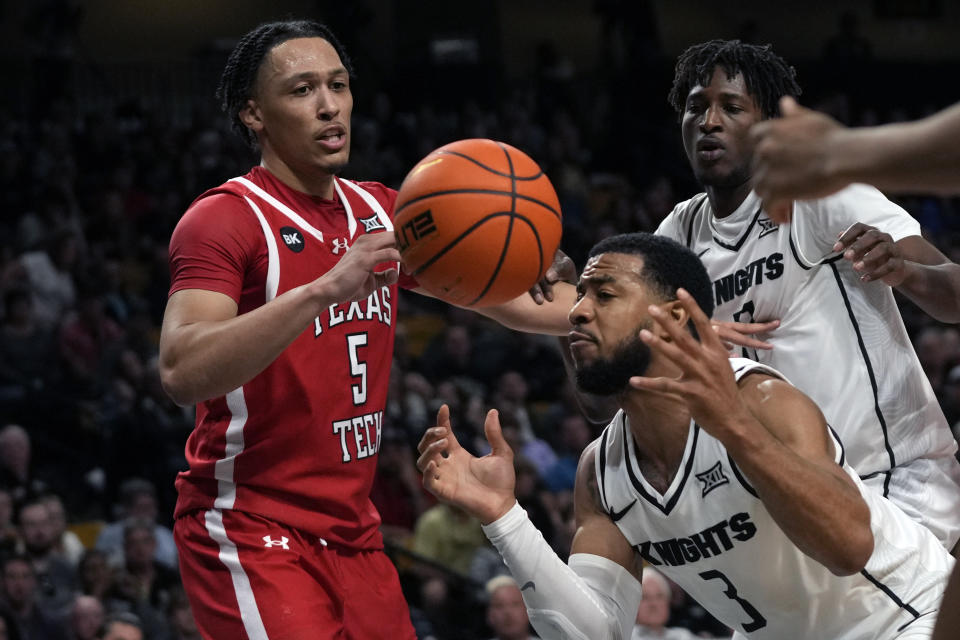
point(603, 469)
point(907, 624)
point(890, 594)
point(743, 481)
point(693, 219)
point(638, 486)
point(804, 265)
point(836, 438)
point(743, 238)
point(873, 378)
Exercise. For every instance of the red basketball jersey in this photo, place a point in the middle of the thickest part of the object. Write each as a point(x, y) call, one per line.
point(298, 443)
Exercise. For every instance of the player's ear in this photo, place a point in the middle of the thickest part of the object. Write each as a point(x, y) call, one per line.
point(250, 116)
point(677, 313)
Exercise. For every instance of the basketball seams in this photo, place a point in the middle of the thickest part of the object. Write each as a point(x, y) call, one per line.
point(464, 266)
point(485, 167)
point(494, 192)
point(476, 225)
point(506, 240)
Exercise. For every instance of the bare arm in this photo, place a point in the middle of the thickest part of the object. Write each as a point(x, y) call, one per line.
point(775, 434)
point(596, 533)
point(207, 350)
point(914, 266)
point(785, 452)
point(806, 154)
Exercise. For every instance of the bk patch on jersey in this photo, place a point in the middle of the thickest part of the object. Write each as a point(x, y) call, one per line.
point(292, 238)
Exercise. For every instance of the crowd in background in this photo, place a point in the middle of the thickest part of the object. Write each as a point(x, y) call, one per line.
point(90, 444)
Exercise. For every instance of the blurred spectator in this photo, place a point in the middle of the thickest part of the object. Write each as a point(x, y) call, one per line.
point(180, 618)
point(575, 434)
point(94, 575)
point(66, 544)
point(654, 611)
point(506, 612)
point(16, 469)
point(54, 575)
point(49, 275)
point(138, 499)
point(9, 536)
point(86, 618)
point(397, 491)
point(122, 626)
point(143, 586)
point(449, 536)
point(18, 590)
point(27, 355)
point(90, 343)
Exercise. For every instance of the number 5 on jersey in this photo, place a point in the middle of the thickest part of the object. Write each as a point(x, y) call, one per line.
point(358, 368)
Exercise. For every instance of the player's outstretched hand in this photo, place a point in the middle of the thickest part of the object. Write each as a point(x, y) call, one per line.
point(874, 254)
point(793, 158)
point(562, 270)
point(483, 487)
point(706, 382)
point(354, 276)
point(743, 334)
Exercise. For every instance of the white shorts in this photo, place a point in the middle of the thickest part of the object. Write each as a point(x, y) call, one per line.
point(927, 490)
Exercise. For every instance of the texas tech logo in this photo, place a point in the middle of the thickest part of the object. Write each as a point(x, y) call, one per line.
point(712, 478)
point(292, 238)
point(372, 223)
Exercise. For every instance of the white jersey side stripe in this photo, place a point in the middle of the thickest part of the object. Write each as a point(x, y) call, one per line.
point(247, 603)
point(273, 259)
point(282, 208)
point(351, 219)
point(223, 469)
point(372, 203)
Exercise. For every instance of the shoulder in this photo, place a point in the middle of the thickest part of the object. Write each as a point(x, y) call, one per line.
point(784, 410)
point(676, 222)
point(381, 192)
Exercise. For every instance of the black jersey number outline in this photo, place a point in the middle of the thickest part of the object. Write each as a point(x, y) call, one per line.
point(757, 621)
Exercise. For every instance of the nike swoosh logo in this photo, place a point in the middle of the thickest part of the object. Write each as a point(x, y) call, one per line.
point(700, 255)
point(616, 515)
point(529, 585)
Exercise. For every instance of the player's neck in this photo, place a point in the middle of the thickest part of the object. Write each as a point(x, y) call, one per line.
point(726, 200)
point(659, 424)
point(314, 183)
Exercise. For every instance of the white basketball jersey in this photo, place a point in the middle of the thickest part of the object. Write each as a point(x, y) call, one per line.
point(840, 341)
point(712, 535)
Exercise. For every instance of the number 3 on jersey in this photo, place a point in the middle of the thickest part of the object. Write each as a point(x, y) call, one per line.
point(757, 621)
point(358, 368)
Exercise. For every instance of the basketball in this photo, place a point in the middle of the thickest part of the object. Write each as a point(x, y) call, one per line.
point(477, 222)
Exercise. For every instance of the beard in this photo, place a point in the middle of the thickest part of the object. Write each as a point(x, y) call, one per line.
point(609, 376)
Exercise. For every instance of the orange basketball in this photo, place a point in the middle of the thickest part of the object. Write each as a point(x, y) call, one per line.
point(477, 222)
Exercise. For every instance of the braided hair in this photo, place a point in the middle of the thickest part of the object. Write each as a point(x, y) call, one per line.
point(766, 75)
point(240, 73)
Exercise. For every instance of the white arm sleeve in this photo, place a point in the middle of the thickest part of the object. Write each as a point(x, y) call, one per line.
point(592, 598)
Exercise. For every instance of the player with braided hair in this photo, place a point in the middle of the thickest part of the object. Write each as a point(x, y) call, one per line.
point(813, 303)
point(280, 327)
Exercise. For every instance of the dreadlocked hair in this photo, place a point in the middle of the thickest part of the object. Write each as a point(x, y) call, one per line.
point(766, 75)
point(240, 73)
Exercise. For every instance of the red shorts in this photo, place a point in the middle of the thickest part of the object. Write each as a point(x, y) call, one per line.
point(249, 577)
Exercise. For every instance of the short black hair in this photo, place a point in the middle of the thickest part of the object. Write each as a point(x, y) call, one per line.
point(767, 76)
point(667, 266)
point(240, 73)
